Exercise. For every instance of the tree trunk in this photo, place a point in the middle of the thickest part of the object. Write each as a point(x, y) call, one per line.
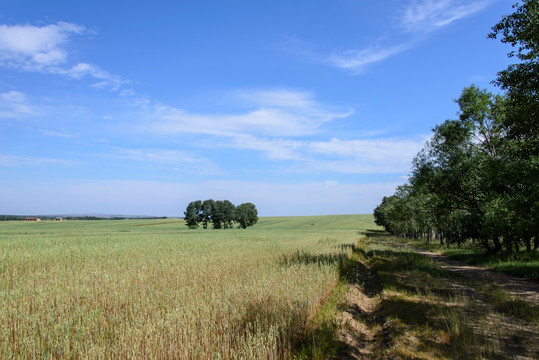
point(485, 244)
point(508, 245)
point(528, 242)
point(497, 244)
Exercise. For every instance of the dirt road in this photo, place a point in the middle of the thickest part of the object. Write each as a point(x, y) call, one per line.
point(526, 289)
point(418, 304)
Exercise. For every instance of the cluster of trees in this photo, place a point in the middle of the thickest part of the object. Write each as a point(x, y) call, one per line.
point(478, 176)
point(221, 214)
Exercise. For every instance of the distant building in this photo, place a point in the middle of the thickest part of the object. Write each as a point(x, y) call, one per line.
point(59, 219)
point(32, 219)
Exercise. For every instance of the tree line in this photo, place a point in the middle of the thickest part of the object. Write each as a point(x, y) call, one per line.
point(222, 214)
point(478, 176)
point(80, 217)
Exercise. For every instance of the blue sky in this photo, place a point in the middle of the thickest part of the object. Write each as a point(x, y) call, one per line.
point(301, 107)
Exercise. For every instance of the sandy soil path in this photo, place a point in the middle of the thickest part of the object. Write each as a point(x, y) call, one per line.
point(527, 289)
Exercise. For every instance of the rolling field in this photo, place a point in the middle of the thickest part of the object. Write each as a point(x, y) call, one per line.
point(142, 289)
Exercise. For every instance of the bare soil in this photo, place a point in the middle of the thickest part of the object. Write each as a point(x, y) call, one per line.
point(359, 339)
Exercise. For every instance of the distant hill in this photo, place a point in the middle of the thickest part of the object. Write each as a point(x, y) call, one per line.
point(98, 216)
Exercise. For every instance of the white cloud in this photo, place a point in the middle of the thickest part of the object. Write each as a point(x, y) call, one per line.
point(274, 149)
point(276, 113)
point(35, 47)
point(23, 161)
point(358, 156)
point(277, 127)
point(356, 60)
point(367, 156)
point(44, 49)
point(158, 155)
point(420, 17)
point(13, 104)
point(82, 70)
point(355, 166)
point(13, 97)
point(183, 161)
point(60, 134)
point(380, 149)
point(427, 15)
point(281, 98)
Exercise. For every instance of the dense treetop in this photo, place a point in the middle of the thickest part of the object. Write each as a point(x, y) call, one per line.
point(220, 213)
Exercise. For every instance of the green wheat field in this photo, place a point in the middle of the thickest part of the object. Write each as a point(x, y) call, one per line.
point(140, 289)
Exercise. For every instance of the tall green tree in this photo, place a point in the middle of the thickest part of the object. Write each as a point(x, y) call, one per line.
point(246, 215)
point(218, 214)
point(461, 165)
point(192, 214)
point(521, 84)
point(521, 80)
point(380, 213)
point(206, 212)
point(229, 214)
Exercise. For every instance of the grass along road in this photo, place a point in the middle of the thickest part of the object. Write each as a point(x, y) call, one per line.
point(526, 289)
point(404, 305)
point(524, 264)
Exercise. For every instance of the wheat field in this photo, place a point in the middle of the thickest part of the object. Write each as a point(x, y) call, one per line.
point(151, 289)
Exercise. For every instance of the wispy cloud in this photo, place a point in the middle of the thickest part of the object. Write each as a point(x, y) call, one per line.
point(158, 155)
point(357, 59)
point(60, 134)
point(82, 70)
point(23, 161)
point(356, 156)
point(274, 149)
point(13, 104)
point(181, 161)
point(277, 128)
point(418, 19)
point(377, 149)
point(274, 113)
point(428, 15)
point(45, 49)
point(282, 98)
